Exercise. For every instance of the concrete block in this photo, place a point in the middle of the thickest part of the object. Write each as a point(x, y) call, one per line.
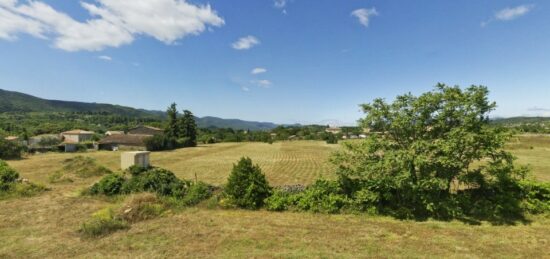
point(139, 158)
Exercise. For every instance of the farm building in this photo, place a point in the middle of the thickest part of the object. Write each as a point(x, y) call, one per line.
point(333, 130)
point(145, 130)
point(114, 132)
point(130, 141)
point(76, 136)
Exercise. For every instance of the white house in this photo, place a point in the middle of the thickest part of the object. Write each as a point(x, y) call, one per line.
point(76, 136)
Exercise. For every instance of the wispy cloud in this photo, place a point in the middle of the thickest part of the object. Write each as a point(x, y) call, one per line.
point(258, 70)
point(364, 15)
point(262, 83)
point(106, 58)
point(279, 3)
point(112, 23)
point(245, 43)
point(509, 13)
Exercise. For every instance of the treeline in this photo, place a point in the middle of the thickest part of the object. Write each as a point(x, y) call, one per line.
point(35, 123)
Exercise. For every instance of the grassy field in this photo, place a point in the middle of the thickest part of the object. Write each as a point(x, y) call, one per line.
point(46, 225)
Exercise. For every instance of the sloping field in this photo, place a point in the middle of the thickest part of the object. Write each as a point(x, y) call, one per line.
point(282, 162)
point(46, 226)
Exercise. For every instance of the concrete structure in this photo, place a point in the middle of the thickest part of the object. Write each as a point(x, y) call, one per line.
point(139, 158)
point(116, 142)
point(333, 130)
point(76, 136)
point(70, 147)
point(145, 130)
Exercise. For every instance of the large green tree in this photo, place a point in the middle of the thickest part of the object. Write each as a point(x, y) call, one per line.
point(172, 128)
point(424, 148)
point(188, 128)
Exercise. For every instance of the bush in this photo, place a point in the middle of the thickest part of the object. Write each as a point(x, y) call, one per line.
point(109, 185)
point(323, 196)
point(102, 223)
point(136, 170)
point(7, 174)
point(536, 196)
point(196, 193)
point(157, 180)
point(247, 186)
point(280, 201)
point(10, 149)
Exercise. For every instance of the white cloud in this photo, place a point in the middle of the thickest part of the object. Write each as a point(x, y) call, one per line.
point(244, 88)
point(262, 83)
point(279, 3)
point(258, 70)
point(364, 15)
point(245, 43)
point(12, 24)
point(114, 23)
point(106, 58)
point(509, 13)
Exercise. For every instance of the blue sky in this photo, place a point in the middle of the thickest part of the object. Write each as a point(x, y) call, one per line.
point(282, 61)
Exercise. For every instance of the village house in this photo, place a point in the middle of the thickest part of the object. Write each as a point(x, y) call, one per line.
point(71, 139)
point(145, 130)
point(118, 142)
point(77, 136)
point(333, 130)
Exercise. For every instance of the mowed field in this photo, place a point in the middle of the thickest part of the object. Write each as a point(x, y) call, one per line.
point(47, 225)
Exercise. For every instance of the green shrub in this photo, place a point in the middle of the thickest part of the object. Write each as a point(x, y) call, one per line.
point(10, 149)
point(280, 201)
point(247, 186)
point(7, 174)
point(536, 196)
point(102, 223)
point(196, 193)
point(136, 170)
point(157, 180)
point(109, 185)
point(323, 196)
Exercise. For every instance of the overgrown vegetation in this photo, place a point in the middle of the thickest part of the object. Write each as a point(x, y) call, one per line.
point(79, 166)
point(12, 186)
point(103, 222)
point(153, 180)
point(431, 156)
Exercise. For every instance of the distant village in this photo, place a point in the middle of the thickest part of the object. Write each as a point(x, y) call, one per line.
point(79, 140)
point(134, 139)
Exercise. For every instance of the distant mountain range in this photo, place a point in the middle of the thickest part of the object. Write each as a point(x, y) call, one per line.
point(11, 101)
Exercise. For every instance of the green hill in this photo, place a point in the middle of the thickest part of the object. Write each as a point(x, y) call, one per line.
point(11, 101)
point(19, 102)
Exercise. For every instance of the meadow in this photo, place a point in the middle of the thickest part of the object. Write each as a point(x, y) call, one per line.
point(46, 225)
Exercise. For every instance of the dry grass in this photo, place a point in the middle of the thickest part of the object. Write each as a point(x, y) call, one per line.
point(47, 225)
